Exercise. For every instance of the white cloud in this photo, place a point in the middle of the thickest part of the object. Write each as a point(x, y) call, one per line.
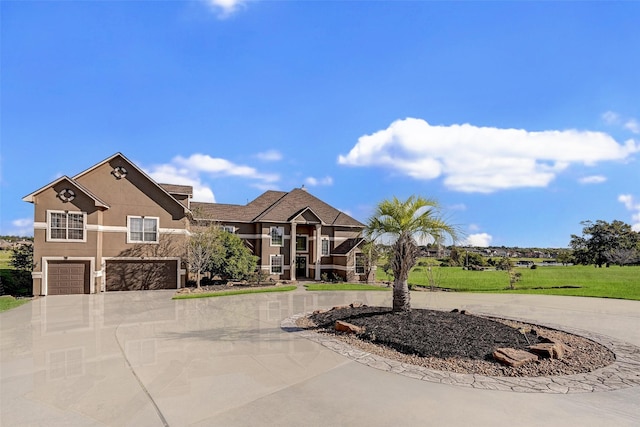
point(169, 174)
point(482, 159)
point(270, 156)
point(631, 205)
point(479, 240)
point(225, 7)
point(474, 227)
point(21, 227)
point(633, 125)
point(314, 182)
point(222, 167)
point(611, 117)
point(593, 179)
point(189, 171)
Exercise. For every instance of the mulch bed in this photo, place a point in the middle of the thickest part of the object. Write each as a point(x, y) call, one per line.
point(458, 342)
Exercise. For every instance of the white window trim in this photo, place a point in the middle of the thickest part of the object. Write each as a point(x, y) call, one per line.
point(306, 243)
point(281, 230)
point(84, 226)
point(328, 240)
point(228, 228)
point(129, 240)
point(271, 257)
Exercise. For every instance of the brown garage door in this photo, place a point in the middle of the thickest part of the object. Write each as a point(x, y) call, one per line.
point(65, 278)
point(141, 275)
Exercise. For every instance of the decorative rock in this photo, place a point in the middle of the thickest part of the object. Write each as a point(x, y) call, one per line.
point(513, 357)
point(340, 307)
point(356, 304)
point(455, 310)
point(348, 327)
point(549, 350)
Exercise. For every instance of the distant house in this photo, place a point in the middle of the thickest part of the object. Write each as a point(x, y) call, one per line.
point(112, 227)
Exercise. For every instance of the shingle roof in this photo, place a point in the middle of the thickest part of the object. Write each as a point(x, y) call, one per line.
point(177, 189)
point(275, 206)
point(347, 246)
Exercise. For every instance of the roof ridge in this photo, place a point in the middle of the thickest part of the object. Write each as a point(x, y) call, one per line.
point(271, 206)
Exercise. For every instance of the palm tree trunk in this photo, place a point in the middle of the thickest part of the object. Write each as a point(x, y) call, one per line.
point(401, 296)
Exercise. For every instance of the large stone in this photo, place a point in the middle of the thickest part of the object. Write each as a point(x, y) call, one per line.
point(513, 357)
point(548, 350)
point(349, 328)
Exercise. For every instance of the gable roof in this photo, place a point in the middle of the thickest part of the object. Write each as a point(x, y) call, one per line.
point(276, 206)
point(186, 190)
point(98, 202)
point(347, 246)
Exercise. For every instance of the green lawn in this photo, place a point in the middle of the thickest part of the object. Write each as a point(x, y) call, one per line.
point(612, 282)
point(344, 287)
point(8, 302)
point(235, 292)
point(5, 259)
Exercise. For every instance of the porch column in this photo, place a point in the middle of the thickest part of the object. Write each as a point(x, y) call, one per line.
point(318, 251)
point(292, 252)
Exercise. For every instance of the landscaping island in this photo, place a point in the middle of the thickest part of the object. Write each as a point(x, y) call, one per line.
point(458, 341)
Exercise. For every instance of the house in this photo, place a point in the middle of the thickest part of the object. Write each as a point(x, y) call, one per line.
point(112, 227)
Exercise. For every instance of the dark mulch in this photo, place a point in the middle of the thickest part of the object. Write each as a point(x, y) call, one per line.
point(420, 332)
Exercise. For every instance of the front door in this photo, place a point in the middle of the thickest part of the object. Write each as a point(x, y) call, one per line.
point(301, 266)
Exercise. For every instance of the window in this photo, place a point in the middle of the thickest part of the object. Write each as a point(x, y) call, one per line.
point(301, 244)
point(277, 236)
point(359, 263)
point(325, 246)
point(66, 225)
point(276, 264)
point(228, 228)
point(143, 229)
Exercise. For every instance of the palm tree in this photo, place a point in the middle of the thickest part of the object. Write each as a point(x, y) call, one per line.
point(402, 222)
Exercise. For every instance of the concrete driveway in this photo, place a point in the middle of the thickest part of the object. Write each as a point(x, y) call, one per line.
point(141, 359)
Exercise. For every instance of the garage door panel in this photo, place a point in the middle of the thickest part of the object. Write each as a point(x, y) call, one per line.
point(141, 275)
point(64, 278)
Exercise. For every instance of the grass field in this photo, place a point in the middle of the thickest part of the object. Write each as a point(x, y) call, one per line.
point(612, 282)
point(5, 259)
point(344, 287)
point(238, 292)
point(8, 302)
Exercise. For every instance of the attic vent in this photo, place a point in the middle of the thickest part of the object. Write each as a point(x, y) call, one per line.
point(119, 172)
point(66, 195)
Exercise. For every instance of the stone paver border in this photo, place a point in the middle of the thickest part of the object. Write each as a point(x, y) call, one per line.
point(623, 373)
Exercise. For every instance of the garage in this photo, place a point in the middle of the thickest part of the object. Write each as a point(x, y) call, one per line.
point(128, 275)
point(64, 278)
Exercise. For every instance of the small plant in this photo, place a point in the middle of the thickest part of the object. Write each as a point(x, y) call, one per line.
point(335, 278)
point(514, 277)
point(324, 277)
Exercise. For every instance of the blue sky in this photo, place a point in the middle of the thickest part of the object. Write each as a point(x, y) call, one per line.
point(521, 118)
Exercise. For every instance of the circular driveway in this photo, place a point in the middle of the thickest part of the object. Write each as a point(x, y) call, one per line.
point(142, 359)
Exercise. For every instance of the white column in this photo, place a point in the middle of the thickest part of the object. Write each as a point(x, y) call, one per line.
point(318, 254)
point(292, 251)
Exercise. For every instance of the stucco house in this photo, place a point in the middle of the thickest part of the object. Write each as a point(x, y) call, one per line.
point(112, 227)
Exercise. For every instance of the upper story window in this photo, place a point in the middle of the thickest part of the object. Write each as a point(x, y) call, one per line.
point(325, 246)
point(301, 243)
point(142, 229)
point(228, 228)
point(277, 236)
point(64, 225)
